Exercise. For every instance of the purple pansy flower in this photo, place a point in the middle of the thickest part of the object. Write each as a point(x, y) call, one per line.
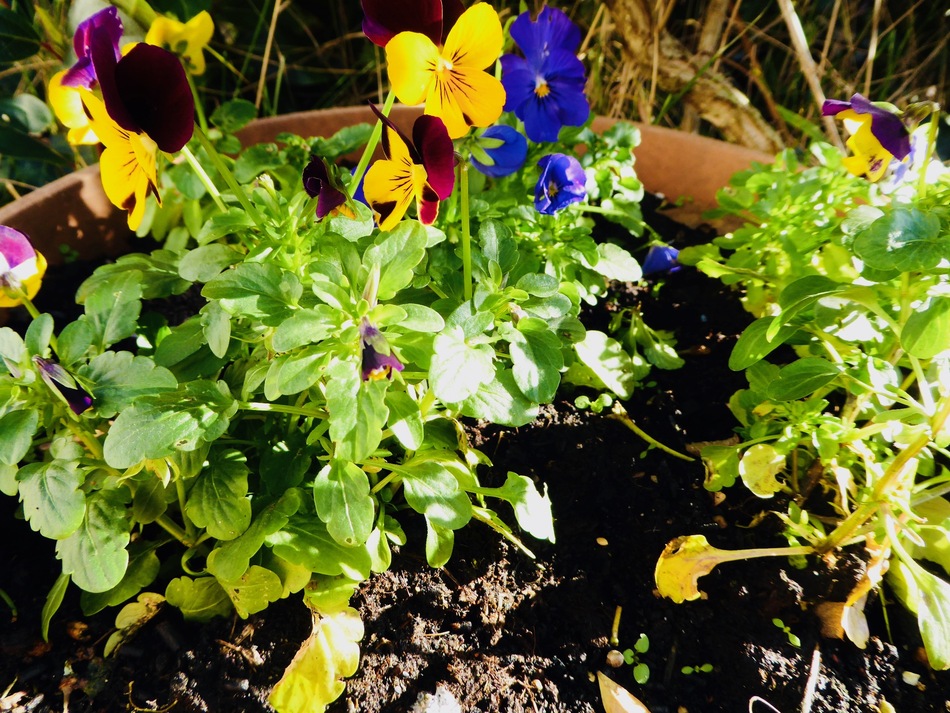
point(378, 359)
point(660, 258)
point(317, 182)
point(105, 24)
point(877, 135)
point(545, 88)
point(384, 19)
point(63, 384)
point(506, 157)
point(886, 126)
point(21, 267)
point(562, 182)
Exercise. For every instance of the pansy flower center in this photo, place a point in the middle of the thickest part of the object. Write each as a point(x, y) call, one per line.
point(444, 65)
point(541, 88)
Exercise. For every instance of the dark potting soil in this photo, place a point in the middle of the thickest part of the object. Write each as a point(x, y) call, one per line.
point(503, 632)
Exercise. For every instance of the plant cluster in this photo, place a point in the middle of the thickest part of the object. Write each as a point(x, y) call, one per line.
point(847, 411)
point(275, 440)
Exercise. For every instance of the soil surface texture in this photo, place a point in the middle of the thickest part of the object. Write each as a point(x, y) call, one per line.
point(499, 631)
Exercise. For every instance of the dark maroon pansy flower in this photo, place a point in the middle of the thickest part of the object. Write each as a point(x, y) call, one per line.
point(378, 359)
point(63, 384)
point(384, 19)
point(317, 182)
point(107, 25)
point(147, 92)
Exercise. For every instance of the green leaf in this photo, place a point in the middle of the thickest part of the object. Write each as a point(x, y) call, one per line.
point(216, 326)
point(183, 341)
point(798, 296)
point(53, 501)
point(20, 145)
point(142, 571)
point(536, 359)
point(315, 678)
point(233, 115)
point(498, 245)
point(119, 379)
point(905, 239)
point(95, 554)
point(18, 39)
point(255, 160)
point(608, 361)
point(357, 409)
point(933, 616)
point(538, 284)
point(532, 510)
point(74, 341)
point(802, 378)
point(722, 466)
point(458, 370)
point(305, 326)
point(236, 220)
point(927, 332)
point(397, 253)
point(439, 544)
point(156, 426)
point(16, 434)
point(405, 419)
point(187, 182)
point(501, 401)
point(343, 502)
point(420, 318)
point(758, 467)
point(260, 290)
point(199, 599)
point(218, 499)
point(615, 263)
point(230, 560)
point(304, 540)
point(53, 601)
point(754, 343)
point(113, 307)
point(301, 369)
point(206, 262)
point(346, 140)
point(38, 334)
point(433, 491)
point(253, 591)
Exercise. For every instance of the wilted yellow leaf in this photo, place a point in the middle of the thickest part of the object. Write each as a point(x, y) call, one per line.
point(758, 468)
point(683, 561)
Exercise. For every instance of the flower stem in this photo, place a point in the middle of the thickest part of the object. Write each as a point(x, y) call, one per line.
point(199, 108)
point(931, 145)
point(283, 408)
point(138, 10)
point(18, 293)
point(466, 233)
point(203, 177)
point(229, 177)
point(371, 144)
point(620, 414)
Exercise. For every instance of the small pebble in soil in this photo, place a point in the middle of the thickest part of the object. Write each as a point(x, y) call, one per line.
point(602, 541)
point(614, 658)
point(442, 702)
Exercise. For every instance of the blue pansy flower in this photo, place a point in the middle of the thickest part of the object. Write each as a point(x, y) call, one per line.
point(545, 88)
point(660, 258)
point(562, 182)
point(504, 147)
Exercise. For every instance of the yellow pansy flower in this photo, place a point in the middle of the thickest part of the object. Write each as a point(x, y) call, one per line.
point(67, 105)
point(127, 164)
point(186, 39)
point(868, 157)
point(452, 81)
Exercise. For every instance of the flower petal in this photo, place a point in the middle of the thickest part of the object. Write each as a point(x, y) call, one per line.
point(317, 182)
point(104, 27)
point(465, 97)
point(67, 105)
point(540, 117)
point(508, 157)
point(154, 89)
point(476, 39)
point(384, 19)
point(518, 80)
point(437, 154)
point(412, 59)
point(19, 264)
point(552, 30)
point(185, 39)
point(389, 190)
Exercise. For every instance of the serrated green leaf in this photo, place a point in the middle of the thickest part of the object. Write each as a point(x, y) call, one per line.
point(532, 510)
point(341, 495)
point(74, 341)
point(396, 254)
point(301, 369)
point(16, 434)
point(119, 379)
point(536, 360)
point(259, 290)
point(112, 309)
point(306, 326)
point(615, 263)
point(141, 572)
point(255, 160)
point(230, 560)
point(199, 599)
point(501, 401)
point(458, 369)
point(315, 678)
point(253, 591)
point(605, 357)
point(156, 426)
point(95, 554)
point(53, 501)
point(233, 115)
point(904, 239)
point(206, 262)
point(38, 334)
point(405, 419)
point(218, 500)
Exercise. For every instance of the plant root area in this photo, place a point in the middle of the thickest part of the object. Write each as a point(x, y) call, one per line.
point(502, 632)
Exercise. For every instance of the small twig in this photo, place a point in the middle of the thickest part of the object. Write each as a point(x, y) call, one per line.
point(267, 48)
point(872, 47)
point(620, 414)
point(811, 684)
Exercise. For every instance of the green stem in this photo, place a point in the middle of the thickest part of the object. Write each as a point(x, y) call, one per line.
point(203, 177)
point(10, 603)
point(228, 177)
point(931, 145)
point(191, 532)
point(850, 525)
point(466, 233)
point(371, 144)
point(283, 408)
point(620, 414)
point(18, 293)
point(199, 108)
point(173, 529)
